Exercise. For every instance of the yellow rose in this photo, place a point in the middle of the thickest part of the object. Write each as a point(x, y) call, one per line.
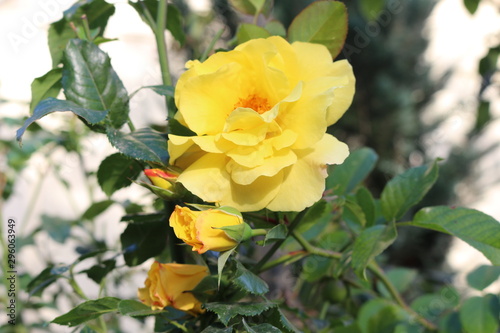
point(168, 285)
point(161, 178)
point(198, 228)
point(260, 114)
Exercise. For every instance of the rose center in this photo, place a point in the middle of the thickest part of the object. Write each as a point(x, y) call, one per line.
point(254, 102)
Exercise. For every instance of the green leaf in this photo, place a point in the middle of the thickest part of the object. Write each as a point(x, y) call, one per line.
point(483, 276)
point(354, 216)
point(347, 176)
point(432, 306)
point(315, 268)
point(401, 278)
point(480, 314)
point(276, 318)
point(99, 271)
point(144, 144)
point(59, 35)
point(132, 308)
point(450, 323)
point(322, 22)
point(144, 218)
point(471, 5)
point(276, 28)
point(160, 192)
point(58, 229)
point(176, 128)
point(406, 190)
point(221, 262)
point(226, 311)
point(90, 81)
point(50, 105)
point(247, 31)
point(43, 280)
point(141, 241)
point(48, 85)
point(117, 171)
point(252, 7)
point(163, 90)
point(87, 311)
point(370, 243)
point(261, 328)
point(473, 227)
point(278, 232)
point(380, 316)
point(367, 204)
point(213, 329)
point(96, 209)
point(371, 8)
point(248, 281)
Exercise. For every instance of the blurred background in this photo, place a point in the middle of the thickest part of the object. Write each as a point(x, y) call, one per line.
point(428, 86)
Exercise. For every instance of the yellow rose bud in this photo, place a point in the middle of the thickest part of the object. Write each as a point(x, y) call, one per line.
point(200, 228)
point(161, 178)
point(169, 285)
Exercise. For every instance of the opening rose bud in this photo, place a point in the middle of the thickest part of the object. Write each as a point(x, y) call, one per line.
point(169, 285)
point(203, 230)
point(161, 178)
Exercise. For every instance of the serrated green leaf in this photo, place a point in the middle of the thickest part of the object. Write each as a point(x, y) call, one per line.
point(87, 311)
point(473, 227)
point(141, 241)
point(248, 31)
point(50, 105)
point(132, 308)
point(261, 328)
point(47, 85)
point(370, 243)
point(96, 209)
point(276, 318)
point(90, 81)
point(226, 311)
point(480, 314)
point(213, 329)
point(347, 176)
point(483, 276)
point(322, 22)
point(471, 5)
point(406, 190)
point(117, 171)
point(248, 281)
point(144, 144)
point(371, 8)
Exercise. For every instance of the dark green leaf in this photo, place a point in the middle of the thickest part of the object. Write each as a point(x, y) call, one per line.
point(471, 5)
point(401, 278)
point(226, 311)
point(406, 190)
point(48, 85)
point(370, 243)
point(261, 328)
point(380, 316)
point(99, 271)
point(248, 281)
point(315, 268)
point(143, 241)
point(432, 306)
point(90, 81)
point(144, 218)
point(313, 222)
point(175, 24)
point(483, 115)
point(367, 204)
point(132, 308)
point(58, 229)
point(322, 22)
point(276, 318)
point(247, 31)
point(117, 171)
point(354, 216)
point(160, 192)
point(96, 209)
point(87, 311)
point(176, 128)
point(473, 227)
point(480, 314)
point(371, 8)
point(450, 323)
point(59, 35)
point(221, 262)
point(206, 288)
point(345, 177)
point(252, 7)
point(50, 105)
point(144, 144)
point(213, 329)
point(483, 276)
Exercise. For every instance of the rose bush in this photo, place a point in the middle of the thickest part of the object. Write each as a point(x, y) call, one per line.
point(169, 285)
point(199, 228)
point(260, 114)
